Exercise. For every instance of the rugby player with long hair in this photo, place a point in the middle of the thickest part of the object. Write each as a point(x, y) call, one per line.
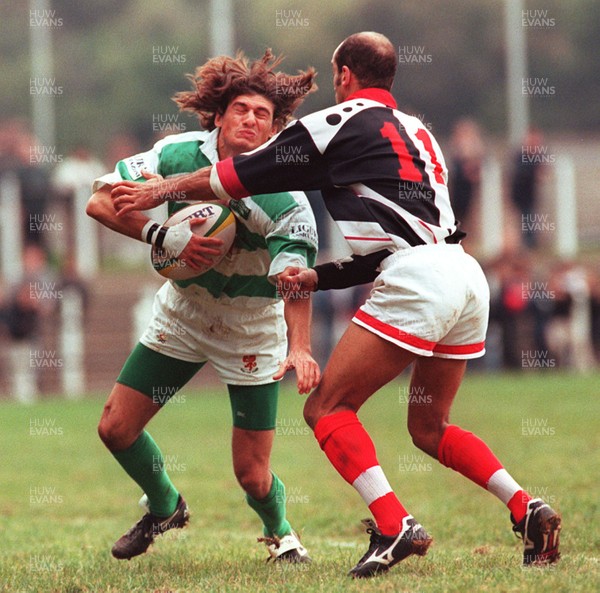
point(232, 315)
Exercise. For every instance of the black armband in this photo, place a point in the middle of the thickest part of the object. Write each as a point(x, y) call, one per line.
point(160, 236)
point(154, 233)
point(361, 269)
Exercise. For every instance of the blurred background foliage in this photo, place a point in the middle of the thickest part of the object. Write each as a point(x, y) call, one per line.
point(103, 59)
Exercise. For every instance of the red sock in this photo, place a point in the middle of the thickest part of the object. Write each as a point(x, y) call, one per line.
point(351, 451)
point(467, 454)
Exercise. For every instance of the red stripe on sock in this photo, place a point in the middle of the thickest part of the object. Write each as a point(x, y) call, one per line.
point(518, 504)
point(467, 454)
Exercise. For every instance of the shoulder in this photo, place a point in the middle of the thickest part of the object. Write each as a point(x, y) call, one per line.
point(341, 112)
point(184, 137)
point(325, 124)
point(410, 122)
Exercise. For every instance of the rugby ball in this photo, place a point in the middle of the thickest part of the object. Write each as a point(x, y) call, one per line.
point(220, 223)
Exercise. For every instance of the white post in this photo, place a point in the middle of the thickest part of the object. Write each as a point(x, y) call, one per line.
point(566, 208)
point(86, 234)
point(11, 229)
point(221, 27)
point(42, 73)
point(24, 378)
point(72, 344)
point(581, 357)
point(492, 215)
point(515, 40)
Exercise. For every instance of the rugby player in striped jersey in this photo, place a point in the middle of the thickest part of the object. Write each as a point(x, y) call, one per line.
point(233, 315)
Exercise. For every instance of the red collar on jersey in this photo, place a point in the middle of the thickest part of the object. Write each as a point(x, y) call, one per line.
point(379, 95)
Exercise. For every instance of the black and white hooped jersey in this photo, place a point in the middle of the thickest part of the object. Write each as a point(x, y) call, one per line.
point(381, 173)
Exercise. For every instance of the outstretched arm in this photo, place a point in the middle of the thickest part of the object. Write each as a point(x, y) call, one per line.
point(262, 171)
point(336, 274)
point(129, 196)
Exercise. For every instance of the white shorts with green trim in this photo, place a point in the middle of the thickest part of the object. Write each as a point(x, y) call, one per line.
point(245, 345)
point(432, 300)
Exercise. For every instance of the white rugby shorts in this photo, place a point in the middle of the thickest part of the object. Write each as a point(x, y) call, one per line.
point(432, 300)
point(244, 345)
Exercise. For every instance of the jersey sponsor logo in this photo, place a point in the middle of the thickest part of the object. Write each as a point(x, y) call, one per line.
point(304, 231)
point(250, 365)
point(240, 208)
point(135, 165)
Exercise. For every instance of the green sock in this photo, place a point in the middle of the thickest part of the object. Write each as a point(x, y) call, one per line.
point(271, 509)
point(144, 462)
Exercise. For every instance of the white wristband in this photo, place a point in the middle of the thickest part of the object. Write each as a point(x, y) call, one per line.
point(177, 238)
point(171, 240)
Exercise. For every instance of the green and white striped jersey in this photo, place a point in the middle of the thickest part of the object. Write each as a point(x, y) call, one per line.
point(273, 231)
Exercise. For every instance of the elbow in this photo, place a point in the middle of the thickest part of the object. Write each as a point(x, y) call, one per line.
point(92, 208)
point(96, 207)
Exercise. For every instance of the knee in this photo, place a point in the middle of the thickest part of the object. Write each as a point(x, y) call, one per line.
point(312, 411)
point(114, 435)
point(255, 481)
point(427, 436)
point(317, 405)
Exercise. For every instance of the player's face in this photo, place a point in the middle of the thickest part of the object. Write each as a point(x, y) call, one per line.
point(246, 124)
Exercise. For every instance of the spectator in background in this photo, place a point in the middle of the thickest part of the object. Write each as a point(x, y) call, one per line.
point(509, 276)
point(11, 130)
point(464, 176)
point(570, 327)
point(27, 158)
point(71, 280)
point(525, 181)
point(23, 315)
point(22, 318)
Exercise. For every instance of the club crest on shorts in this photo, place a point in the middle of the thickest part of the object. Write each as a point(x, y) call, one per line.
point(250, 364)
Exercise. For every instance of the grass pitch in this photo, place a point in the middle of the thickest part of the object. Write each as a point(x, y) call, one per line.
point(64, 500)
